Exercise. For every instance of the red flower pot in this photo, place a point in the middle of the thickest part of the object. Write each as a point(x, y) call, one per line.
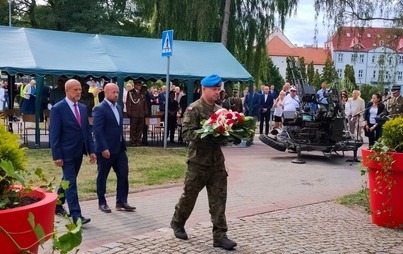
point(386, 207)
point(15, 222)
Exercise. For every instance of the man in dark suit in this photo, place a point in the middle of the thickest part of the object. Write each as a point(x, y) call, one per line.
point(162, 99)
point(110, 149)
point(70, 138)
point(266, 103)
point(255, 98)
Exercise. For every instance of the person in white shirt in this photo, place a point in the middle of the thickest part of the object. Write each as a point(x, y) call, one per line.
point(291, 101)
point(278, 110)
point(129, 86)
point(355, 107)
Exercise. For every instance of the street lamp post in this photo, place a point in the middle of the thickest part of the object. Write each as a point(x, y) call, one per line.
point(9, 12)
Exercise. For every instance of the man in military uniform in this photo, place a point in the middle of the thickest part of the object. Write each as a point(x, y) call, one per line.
point(236, 102)
point(136, 107)
point(395, 104)
point(205, 168)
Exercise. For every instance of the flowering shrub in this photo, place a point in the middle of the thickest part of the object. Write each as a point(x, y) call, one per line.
point(231, 125)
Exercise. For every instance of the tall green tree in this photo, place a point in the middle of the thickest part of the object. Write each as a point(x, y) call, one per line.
point(316, 81)
point(310, 72)
point(302, 68)
point(349, 76)
point(329, 72)
point(360, 13)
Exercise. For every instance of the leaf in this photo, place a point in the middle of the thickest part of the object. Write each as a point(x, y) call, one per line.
point(38, 229)
point(10, 171)
point(65, 184)
point(71, 239)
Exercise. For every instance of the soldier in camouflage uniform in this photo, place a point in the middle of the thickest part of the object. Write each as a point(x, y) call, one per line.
point(205, 168)
point(394, 105)
point(236, 102)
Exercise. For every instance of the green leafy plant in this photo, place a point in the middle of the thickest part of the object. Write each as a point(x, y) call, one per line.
point(13, 171)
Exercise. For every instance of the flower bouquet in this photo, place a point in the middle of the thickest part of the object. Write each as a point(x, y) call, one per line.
point(228, 126)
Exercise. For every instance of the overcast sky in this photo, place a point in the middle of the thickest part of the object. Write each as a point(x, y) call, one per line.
point(300, 29)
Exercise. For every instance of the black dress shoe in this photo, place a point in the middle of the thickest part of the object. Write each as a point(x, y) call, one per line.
point(105, 208)
point(224, 243)
point(83, 220)
point(125, 206)
point(179, 232)
point(61, 211)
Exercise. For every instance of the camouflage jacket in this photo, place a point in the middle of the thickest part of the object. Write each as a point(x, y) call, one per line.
point(395, 105)
point(204, 151)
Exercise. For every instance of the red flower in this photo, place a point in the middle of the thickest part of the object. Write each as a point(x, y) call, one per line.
point(230, 121)
point(239, 118)
point(221, 129)
point(229, 116)
point(214, 116)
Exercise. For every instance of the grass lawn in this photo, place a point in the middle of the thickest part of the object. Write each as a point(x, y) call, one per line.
point(147, 166)
point(360, 199)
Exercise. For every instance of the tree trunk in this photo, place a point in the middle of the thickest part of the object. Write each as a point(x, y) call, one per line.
point(224, 32)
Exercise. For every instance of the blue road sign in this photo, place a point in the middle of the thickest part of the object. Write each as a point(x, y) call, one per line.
point(167, 42)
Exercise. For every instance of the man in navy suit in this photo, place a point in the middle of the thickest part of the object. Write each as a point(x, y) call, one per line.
point(266, 103)
point(110, 149)
point(255, 98)
point(70, 138)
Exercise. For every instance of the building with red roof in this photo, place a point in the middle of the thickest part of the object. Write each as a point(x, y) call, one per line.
point(279, 47)
point(376, 54)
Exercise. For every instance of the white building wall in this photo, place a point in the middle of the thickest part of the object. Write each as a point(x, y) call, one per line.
point(281, 63)
point(367, 68)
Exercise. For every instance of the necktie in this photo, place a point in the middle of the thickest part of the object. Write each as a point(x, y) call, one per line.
point(115, 112)
point(77, 114)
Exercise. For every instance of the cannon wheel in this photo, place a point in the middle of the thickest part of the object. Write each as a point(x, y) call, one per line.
point(280, 146)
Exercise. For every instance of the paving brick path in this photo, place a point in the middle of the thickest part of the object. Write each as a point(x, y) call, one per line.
point(273, 206)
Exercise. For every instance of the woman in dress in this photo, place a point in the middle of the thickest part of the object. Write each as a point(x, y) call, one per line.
point(95, 91)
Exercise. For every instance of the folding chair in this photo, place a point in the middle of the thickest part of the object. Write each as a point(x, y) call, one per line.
point(155, 129)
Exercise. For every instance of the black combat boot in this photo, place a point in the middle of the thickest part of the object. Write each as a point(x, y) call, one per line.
point(224, 243)
point(179, 232)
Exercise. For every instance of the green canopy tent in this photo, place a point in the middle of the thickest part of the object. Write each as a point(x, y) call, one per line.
point(26, 51)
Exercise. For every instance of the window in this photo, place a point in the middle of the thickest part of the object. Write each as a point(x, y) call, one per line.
point(373, 59)
point(381, 43)
point(381, 59)
point(390, 60)
point(374, 75)
point(340, 73)
point(399, 75)
point(380, 77)
point(340, 57)
point(386, 75)
point(360, 73)
point(400, 59)
point(353, 58)
point(361, 59)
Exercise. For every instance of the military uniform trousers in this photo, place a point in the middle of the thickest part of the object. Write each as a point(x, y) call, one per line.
point(214, 178)
point(136, 130)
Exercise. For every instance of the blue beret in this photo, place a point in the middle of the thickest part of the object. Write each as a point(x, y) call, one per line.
point(211, 81)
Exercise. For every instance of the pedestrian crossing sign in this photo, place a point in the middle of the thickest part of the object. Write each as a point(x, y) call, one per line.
point(167, 42)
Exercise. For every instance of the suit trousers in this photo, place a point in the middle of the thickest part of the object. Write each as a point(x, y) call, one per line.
point(71, 167)
point(119, 163)
point(264, 118)
point(215, 180)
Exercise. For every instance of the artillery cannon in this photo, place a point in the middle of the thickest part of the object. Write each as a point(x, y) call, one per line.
point(314, 126)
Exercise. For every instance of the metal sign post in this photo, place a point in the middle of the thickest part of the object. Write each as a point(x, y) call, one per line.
point(166, 47)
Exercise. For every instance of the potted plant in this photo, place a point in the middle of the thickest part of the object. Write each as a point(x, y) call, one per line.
point(27, 213)
point(384, 162)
